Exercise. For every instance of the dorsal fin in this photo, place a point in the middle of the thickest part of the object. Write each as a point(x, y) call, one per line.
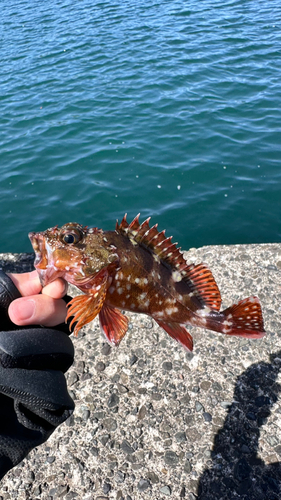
point(199, 278)
point(151, 238)
point(203, 285)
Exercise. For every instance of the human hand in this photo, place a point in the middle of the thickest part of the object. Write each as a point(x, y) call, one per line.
point(33, 360)
point(35, 308)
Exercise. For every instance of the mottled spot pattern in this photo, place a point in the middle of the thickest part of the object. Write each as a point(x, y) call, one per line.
point(137, 268)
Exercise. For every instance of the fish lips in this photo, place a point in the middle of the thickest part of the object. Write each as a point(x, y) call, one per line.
point(48, 275)
point(37, 241)
point(47, 271)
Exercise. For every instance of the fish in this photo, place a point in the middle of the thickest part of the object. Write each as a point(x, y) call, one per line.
point(137, 268)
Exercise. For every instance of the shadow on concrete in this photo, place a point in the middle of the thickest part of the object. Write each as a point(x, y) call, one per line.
point(237, 471)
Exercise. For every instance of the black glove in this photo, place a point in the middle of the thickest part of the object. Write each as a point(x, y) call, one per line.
point(33, 392)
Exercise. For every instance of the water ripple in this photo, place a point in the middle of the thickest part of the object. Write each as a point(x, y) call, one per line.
point(156, 107)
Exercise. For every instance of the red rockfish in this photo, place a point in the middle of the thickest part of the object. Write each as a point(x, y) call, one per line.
point(138, 269)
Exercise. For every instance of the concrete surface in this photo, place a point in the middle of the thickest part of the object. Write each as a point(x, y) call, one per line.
point(154, 422)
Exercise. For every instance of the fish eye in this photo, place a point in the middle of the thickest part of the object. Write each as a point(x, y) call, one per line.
point(71, 236)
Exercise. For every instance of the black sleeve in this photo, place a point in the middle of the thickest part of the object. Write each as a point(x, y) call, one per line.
point(33, 394)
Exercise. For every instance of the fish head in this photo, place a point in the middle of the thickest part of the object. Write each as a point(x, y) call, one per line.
point(72, 252)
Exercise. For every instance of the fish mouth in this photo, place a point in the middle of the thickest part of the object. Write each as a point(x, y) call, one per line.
point(43, 262)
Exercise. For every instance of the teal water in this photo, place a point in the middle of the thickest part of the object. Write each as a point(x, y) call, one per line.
point(169, 108)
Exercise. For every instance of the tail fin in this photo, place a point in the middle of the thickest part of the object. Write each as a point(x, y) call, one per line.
point(244, 319)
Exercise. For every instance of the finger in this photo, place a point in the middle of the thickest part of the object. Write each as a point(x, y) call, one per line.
point(37, 310)
point(26, 283)
point(57, 289)
point(29, 284)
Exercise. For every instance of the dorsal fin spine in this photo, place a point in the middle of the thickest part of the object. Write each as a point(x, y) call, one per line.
point(123, 224)
point(145, 223)
point(145, 235)
point(198, 277)
point(160, 235)
point(144, 227)
point(152, 233)
point(135, 222)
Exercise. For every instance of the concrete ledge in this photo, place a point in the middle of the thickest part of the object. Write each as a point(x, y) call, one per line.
point(152, 421)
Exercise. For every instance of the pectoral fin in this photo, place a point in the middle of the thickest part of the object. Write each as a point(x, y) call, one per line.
point(177, 332)
point(113, 324)
point(85, 308)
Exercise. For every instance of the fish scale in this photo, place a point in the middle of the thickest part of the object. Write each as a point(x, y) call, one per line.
point(137, 268)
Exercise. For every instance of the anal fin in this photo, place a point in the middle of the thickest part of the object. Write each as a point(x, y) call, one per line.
point(177, 332)
point(113, 324)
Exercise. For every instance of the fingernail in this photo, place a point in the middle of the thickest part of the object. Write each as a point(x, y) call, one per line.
point(26, 309)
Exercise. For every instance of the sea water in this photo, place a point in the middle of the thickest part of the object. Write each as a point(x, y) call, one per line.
point(170, 109)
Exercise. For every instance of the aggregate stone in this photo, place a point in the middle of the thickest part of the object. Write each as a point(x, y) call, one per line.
point(216, 386)
point(106, 488)
point(133, 360)
point(156, 396)
point(180, 437)
point(72, 378)
point(99, 415)
point(122, 388)
point(182, 492)
point(278, 449)
point(205, 385)
point(80, 366)
point(106, 349)
point(185, 399)
point(94, 451)
point(171, 458)
point(195, 388)
point(207, 416)
point(142, 413)
point(143, 484)
point(100, 366)
point(127, 448)
point(165, 490)
point(187, 467)
point(104, 439)
point(167, 365)
point(153, 477)
point(120, 477)
point(62, 490)
point(86, 414)
point(110, 424)
point(198, 406)
point(113, 400)
point(37, 490)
